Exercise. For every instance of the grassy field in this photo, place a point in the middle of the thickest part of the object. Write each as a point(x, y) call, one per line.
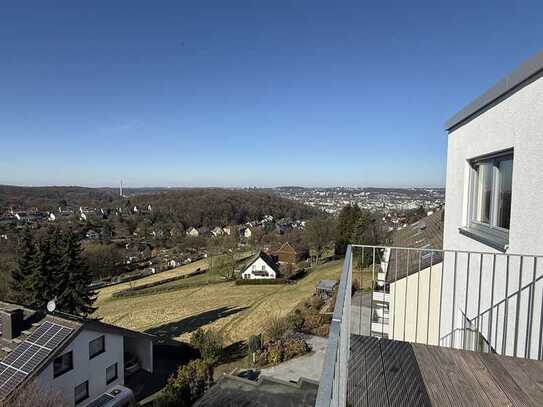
point(237, 311)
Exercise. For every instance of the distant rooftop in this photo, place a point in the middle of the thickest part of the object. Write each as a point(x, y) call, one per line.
point(427, 233)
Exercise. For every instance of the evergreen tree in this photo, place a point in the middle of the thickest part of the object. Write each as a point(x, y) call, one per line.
point(75, 297)
point(43, 276)
point(21, 277)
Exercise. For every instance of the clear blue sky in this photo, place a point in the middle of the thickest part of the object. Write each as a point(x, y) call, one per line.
point(230, 93)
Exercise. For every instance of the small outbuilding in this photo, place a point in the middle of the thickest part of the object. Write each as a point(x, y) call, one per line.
point(325, 288)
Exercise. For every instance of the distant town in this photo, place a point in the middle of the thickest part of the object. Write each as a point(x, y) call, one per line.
point(386, 200)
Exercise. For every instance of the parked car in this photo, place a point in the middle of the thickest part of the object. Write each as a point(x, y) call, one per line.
point(131, 364)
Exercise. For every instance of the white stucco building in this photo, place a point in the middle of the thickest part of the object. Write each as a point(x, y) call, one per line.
point(77, 358)
point(260, 266)
point(494, 191)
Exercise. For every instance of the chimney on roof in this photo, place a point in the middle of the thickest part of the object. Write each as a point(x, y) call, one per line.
point(12, 323)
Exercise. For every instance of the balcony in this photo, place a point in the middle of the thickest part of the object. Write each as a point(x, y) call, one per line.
point(435, 327)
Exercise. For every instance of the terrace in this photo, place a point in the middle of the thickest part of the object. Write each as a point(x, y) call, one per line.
point(440, 328)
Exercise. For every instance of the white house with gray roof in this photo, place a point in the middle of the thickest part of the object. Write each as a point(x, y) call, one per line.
point(77, 358)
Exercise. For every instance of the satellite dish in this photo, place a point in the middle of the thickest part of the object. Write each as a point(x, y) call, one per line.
point(51, 306)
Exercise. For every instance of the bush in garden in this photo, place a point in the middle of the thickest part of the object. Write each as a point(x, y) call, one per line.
point(210, 343)
point(295, 320)
point(190, 383)
point(275, 352)
point(316, 302)
point(275, 328)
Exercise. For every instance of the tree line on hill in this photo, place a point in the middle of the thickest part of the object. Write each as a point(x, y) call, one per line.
point(52, 268)
point(218, 207)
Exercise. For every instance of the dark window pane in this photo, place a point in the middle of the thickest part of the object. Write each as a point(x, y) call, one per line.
point(504, 197)
point(96, 347)
point(81, 392)
point(62, 364)
point(111, 373)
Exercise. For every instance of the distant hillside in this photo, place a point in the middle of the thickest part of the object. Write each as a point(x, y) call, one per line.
point(190, 206)
point(214, 206)
point(49, 198)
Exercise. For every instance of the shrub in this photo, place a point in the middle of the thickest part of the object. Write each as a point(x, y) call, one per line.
point(275, 352)
point(254, 343)
point(312, 321)
point(295, 320)
point(210, 344)
point(275, 328)
point(316, 302)
point(190, 383)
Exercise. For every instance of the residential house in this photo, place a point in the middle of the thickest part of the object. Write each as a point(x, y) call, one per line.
point(260, 266)
point(291, 253)
point(245, 232)
point(493, 204)
point(204, 231)
point(217, 231)
point(227, 230)
point(193, 232)
point(78, 358)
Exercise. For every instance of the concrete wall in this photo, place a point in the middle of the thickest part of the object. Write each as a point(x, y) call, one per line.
point(404, 323)
point(516, 122)
point(93, 370)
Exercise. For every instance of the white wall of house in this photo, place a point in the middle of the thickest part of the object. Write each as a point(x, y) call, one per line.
point(517, 123)
point(93, 370)
point(411, 319)
point(257, 266)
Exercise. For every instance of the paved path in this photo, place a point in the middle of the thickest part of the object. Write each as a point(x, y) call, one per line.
point(307, 366)
point(360, 313)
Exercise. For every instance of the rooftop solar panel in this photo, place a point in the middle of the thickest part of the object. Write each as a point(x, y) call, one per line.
point(29, 354)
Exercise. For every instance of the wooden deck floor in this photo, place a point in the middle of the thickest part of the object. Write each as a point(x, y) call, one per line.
point(392, 373)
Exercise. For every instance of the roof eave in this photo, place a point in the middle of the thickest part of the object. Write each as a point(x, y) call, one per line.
point(516, 80)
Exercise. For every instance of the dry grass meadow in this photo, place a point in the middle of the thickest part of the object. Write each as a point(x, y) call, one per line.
point(237, 311)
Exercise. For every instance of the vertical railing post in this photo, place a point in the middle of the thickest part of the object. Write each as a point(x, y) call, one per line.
point(466, 316)
point(479, 303)
point(491, 315)
point(405, 297)
point(395, 289)
point(515, 343)
point(531, 293)
point(429, 296)
point(454, 299)
point(418, 296)
point(506, 308)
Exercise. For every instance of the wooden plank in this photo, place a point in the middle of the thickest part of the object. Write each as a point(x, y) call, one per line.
point(375, 376)
point(437, 391)
point(477, 369)
point(466, 370)
point(396, 385)
point(506, 382)
point(417, 394)
point(356, 385)
point(519, 371)
point(467, 387)
point(459, 390)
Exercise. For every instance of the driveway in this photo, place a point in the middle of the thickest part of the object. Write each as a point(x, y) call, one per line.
point(308, 366)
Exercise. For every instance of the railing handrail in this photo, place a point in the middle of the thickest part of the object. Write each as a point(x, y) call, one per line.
point(431, 249)
point(326, 385)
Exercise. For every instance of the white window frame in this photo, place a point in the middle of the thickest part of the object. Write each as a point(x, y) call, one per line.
point(490, 234)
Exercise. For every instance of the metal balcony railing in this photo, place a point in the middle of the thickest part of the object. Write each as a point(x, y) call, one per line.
point(486, 302)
